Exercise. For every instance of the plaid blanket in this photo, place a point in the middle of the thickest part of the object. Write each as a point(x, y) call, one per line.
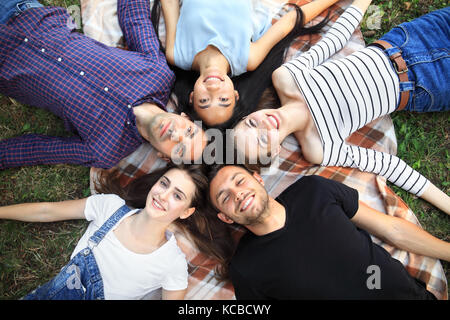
point(100, 23)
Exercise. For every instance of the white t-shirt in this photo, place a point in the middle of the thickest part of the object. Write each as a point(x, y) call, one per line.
point(127, 275)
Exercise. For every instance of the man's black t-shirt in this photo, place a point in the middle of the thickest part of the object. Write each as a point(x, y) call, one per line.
point(319, 253)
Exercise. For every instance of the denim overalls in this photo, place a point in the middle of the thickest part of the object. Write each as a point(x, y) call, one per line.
point(80, 279)
point(425, 46)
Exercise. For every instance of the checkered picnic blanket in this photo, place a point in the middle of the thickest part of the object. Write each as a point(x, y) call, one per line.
point(100, 23)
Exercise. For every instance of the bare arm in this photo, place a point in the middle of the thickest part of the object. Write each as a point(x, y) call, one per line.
point(45, 211)
point(171, 12)
point(362, 4)
point(260, 48)
point(173, 294)
point(437, 197)
point(400, 233)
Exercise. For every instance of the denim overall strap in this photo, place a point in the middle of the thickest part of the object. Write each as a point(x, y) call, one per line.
point(106, 227)
point(80, 279)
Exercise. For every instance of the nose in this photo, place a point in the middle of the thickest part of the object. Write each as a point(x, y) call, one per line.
point(212, 86)
point(176, 136)
point(239, 195)
point(164, 195)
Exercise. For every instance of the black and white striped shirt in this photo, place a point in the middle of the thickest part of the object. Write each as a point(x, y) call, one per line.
point(344, 95)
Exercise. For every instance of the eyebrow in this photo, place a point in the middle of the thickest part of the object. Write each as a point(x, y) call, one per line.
point(206, 106)
point(223, 190)
point(176, 188)
point(196, 130)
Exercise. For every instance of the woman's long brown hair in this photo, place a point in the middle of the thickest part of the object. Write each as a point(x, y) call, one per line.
point(209, 234)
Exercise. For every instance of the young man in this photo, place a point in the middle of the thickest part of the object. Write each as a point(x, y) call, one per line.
point(112, 99)
point(306, 243)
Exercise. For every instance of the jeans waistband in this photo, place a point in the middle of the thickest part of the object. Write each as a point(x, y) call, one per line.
point(25, 5)
point(395, 55)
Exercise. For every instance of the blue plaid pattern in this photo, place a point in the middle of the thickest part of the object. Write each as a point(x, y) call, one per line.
point(92, 87)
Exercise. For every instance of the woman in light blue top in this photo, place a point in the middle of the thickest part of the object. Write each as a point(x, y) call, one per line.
point(218, 39)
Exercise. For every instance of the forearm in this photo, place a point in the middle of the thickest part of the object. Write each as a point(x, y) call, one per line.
point(394, 169)
point(171, 12)
point(437, 197)
point(136, 25)
point(44, 211)
point(36, 149)
point(410, 237)
point(314, 8)
point(362, 4)
point(29, 212)
point(261, 47)
point(334, 40)
point(400, 233)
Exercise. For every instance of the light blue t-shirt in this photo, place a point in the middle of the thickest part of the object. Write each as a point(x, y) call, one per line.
point(228, 25)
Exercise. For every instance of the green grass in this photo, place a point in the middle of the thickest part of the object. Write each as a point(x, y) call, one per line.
point(423, 139)
point(31, 254)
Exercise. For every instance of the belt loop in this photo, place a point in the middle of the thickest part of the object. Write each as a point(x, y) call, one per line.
point(400, 67)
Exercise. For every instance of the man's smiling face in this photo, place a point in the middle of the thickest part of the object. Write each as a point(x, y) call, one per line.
point(239, 195)
point(177, 137)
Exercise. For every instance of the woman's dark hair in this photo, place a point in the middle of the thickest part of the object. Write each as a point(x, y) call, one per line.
point(207, 232)
point(250, 85)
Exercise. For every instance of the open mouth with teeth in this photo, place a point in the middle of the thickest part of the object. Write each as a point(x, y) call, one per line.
point(274, 121)
point(247, 203)
point(213, 78)
point(157, 205)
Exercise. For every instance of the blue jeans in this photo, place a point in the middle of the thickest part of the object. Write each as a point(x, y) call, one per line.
point(80, 279)
point(425, 46)
point(11, 8)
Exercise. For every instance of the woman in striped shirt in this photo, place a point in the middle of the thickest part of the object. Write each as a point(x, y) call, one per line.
point(325, 102)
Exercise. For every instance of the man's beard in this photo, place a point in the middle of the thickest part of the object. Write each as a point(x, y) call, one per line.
point(260, 215)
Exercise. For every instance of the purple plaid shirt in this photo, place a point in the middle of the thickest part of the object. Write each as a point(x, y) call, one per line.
point(92, 87)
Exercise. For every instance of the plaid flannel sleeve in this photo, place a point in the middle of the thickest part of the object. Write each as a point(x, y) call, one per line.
point(36, 149)
point(137, 28)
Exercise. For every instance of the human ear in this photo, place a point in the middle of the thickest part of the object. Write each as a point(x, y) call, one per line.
point(191, 97)
point(236, 95)
point(187, 213)
point(258, 177)
point(224, 218)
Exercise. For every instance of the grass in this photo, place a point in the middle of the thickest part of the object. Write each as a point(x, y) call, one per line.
point(423, 139)
point(31, 254)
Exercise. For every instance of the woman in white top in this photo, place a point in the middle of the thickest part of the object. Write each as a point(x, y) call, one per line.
point(325, 101)
point(127, 253)
point(217, 40)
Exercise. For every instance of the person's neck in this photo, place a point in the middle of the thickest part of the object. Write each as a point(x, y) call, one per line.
point(144, 114)
point(272, 220)
point(148, 231)
point(296, 118)
point(210, 59)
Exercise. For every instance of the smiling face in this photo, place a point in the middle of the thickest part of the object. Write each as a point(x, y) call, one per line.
point(214, 98)
point(171, 196)
point(257, 136)
point(239, 196)
point(177, 137)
